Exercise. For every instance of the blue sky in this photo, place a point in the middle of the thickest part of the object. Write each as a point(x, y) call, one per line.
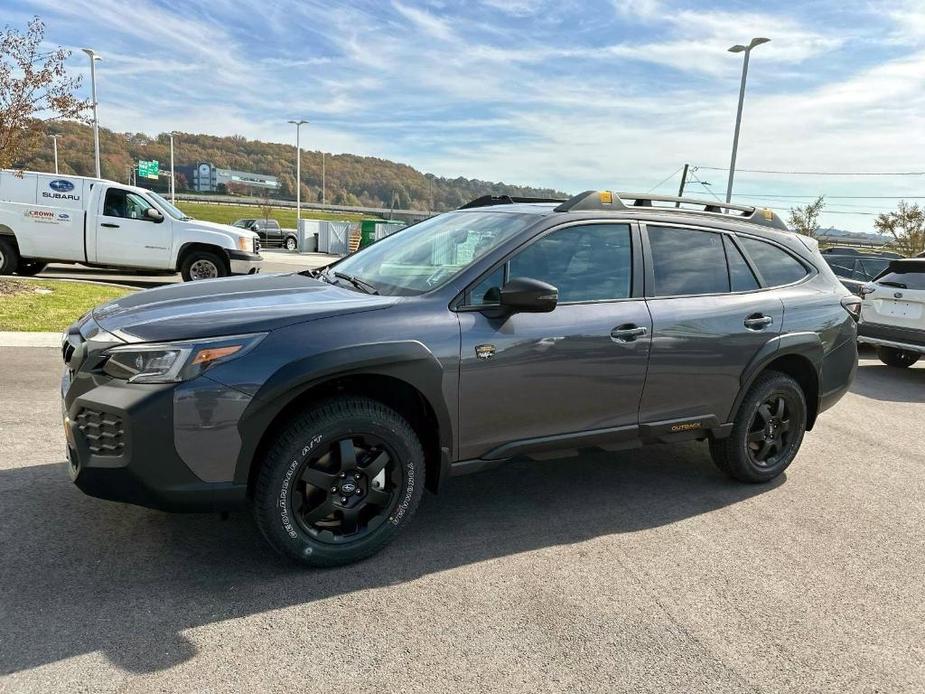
point(574, 95)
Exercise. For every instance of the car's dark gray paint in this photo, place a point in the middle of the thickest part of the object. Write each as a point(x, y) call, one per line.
point(554, 380)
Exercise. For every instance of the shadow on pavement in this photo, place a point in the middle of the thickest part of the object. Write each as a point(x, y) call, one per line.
point(889, 384)
point(79, 575)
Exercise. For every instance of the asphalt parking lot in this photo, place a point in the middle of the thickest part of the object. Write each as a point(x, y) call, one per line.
point(642, 570)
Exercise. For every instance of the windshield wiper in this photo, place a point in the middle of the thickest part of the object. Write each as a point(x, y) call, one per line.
point(357, 282)
point(898, 285)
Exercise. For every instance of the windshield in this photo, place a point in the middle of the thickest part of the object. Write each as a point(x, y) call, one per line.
point(168, 208)
point(428, 255)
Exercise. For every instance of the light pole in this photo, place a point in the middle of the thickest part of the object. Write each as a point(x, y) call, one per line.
point(739, 48)
point(322, 179)
point(298, 173)
point(96, 120)
point(173, 196)
point(54, 139)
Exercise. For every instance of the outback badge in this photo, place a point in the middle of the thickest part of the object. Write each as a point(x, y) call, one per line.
point(484, 351)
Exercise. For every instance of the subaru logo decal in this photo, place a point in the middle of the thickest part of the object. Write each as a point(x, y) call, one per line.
point(59, 185)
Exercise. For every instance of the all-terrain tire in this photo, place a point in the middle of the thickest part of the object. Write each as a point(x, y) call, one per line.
point(9, 256)
point(312, 436)
point(900, 358)
point(736, 455)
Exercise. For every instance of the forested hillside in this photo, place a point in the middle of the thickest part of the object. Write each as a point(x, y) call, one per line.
point(350, 180)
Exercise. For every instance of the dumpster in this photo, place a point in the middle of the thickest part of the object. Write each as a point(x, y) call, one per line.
point(368, 231)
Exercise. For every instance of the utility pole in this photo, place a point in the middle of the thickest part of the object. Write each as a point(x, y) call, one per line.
point(298, 173)
point(683, 183)
point(54, 139)
point(738, 48)
point(96, 118)
point(173, 192)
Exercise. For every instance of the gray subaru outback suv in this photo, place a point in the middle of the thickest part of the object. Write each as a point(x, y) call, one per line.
point(328, 400)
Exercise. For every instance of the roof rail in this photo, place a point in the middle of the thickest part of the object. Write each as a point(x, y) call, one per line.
point(606, 200)
point(489, 200)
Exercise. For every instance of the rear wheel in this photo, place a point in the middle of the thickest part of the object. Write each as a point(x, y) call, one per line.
point(203, 265)
point(30, 268)
point(291, 243)
point(767, 431)
point(339, 482)
point(9, 256)
point(900, 358)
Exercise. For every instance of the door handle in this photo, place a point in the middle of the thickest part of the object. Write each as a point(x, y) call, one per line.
point(109, 226)
point(627, 333)
point(758, 321)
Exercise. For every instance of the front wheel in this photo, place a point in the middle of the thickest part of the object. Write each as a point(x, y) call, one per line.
point(900, 358)
point(339, 483)
point(767, 431)
point(202, 265)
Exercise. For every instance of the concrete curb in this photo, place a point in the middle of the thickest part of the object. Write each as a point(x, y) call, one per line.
point(17, 339)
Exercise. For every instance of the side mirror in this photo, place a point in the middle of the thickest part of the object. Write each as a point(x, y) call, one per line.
point(154, 214)
point(868, 288)
point(527, 295)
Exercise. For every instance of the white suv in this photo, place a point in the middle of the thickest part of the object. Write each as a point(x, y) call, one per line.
point(893, 312)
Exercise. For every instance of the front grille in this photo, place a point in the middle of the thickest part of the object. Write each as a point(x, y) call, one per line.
point(103, 431)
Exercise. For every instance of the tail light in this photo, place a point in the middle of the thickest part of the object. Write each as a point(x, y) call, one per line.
point(852, 305)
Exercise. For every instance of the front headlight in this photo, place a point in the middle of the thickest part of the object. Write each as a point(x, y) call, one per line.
point(247, 243)
point(170, 362)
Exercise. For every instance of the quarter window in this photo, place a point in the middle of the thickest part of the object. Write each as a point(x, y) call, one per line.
point(687, 261)
point(777, 267)
point(741, 276)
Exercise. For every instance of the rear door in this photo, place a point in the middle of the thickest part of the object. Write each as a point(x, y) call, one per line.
point(125, 236)
point(898, 297)
point(709, 319)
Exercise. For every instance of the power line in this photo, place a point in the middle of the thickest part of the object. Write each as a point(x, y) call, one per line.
point(667, 178)
point(819, 173)
point(831, 197)
point(702, 184)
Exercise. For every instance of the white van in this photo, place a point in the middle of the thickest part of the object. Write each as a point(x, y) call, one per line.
point(71, 219)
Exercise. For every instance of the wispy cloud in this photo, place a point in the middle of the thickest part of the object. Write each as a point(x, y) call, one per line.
point(565, 93)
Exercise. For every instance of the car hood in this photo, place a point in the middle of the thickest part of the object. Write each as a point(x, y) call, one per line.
point(230, 306)
point(194, 224)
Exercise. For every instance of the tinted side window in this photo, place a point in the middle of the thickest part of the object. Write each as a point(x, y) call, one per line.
point(741, 276)
point(687, 261)
point(585, 263)
point(776, 266)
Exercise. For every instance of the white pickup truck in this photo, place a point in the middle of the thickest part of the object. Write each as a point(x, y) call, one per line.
point(71, 219)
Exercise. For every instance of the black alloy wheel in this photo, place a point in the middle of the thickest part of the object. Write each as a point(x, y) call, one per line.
point(346, 490)
point(769, 434)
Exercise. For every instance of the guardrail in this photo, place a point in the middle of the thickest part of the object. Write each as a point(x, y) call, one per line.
point(257, 202)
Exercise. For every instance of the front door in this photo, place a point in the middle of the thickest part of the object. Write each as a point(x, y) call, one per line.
point(579, 368)
point(126, 237)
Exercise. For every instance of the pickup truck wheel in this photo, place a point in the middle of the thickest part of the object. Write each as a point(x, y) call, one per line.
point(900, 358)
point(339, 482)
point(767, 431)
point(202, 265)
point(291, 243)
point(9, 257)
point(30, 268)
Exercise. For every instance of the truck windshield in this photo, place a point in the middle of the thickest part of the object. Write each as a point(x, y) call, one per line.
point(168, 208)
point(429, 254)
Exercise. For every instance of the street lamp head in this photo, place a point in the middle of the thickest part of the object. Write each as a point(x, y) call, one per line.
point(757, 41)
point(738, 48)
point(298, 122)
point(90, 52)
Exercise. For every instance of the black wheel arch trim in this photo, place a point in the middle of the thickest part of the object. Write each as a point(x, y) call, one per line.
point(803, 344)
point(190, 246)
point(408, 361)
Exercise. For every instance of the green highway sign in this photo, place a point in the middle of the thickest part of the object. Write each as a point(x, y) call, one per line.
point(148, 169)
